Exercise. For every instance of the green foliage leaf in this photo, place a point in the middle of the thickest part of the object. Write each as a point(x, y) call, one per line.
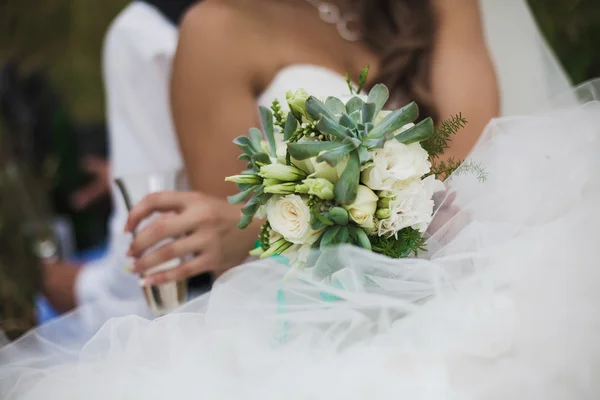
point(421, 131)
point(316, 109)
point(319, 221)
point(333, 157)
point(267, 121)
point(359, 236)
point(343, 235)
point(258, 199)
point(240, 197)
point(244, 143)
point(396, 120)
point(379, 95)
point(291, 124)
point(353, 105)
point(368, 112)
point(260, 159)
point(326, 263)
point(347, 187)
point(329, 236)
point(256, 137)
point(347, 121)
point(330, 127)
point(339, 215)
point(363, 155)
point(335, 105)
point(245, 221)
point(374, 143)
point(304, 150)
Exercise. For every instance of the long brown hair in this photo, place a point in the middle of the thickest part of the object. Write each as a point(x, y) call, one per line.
point(401, 33)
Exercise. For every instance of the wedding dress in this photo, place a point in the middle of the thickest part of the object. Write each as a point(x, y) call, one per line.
point(504, 305)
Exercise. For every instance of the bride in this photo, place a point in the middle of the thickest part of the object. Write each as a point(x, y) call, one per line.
point(278, 46)
point(503, 305)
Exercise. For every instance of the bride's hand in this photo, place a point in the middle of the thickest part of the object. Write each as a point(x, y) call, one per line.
point(198, 225)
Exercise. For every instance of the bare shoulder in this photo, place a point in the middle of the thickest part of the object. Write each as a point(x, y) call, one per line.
point(211, 17)
point(458, 12)
point(221, 39)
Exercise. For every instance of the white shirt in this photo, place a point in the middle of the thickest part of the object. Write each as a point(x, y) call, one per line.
point(138, 54)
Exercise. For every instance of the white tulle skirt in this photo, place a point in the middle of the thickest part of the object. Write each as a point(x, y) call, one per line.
point(505, 304)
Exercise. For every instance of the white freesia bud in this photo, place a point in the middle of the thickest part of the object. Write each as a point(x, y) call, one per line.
point(383, 213)
point(290, 216)
point(271, 182)
point(395, 164)
point(284, 173)
point(282, 188)
point(322, 188)
point(297, 103)
point(362, 210)
point(244, 179)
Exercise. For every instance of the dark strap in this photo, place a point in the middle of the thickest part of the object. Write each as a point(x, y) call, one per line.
point(173, 10)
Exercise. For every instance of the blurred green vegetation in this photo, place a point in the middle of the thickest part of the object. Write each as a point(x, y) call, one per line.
point(572, 27)
point(66, 36)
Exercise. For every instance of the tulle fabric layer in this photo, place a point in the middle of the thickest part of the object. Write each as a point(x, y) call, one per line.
point(503, 305)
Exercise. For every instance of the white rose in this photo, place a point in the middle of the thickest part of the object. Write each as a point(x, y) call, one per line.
point(394, 164)
point(411, 207)
point(362, 210)
point(290, 217)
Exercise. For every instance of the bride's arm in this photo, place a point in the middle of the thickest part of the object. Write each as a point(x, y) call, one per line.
point(463, 77)
point(212, 102)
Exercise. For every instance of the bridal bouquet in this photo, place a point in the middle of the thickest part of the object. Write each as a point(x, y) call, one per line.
point(332, 172)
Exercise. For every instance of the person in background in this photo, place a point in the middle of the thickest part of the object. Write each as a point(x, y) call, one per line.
point(138, 53)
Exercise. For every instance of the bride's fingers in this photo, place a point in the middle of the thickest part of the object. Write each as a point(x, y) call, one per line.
point(165, 226)
point(177, 249)
point(203, 263)
point(155, 202)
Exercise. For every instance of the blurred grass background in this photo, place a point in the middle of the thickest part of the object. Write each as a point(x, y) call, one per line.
point(66, 37)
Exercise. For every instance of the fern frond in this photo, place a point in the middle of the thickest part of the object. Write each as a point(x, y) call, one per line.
point(442, 169)
point(442, 136)
point(409, 243)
